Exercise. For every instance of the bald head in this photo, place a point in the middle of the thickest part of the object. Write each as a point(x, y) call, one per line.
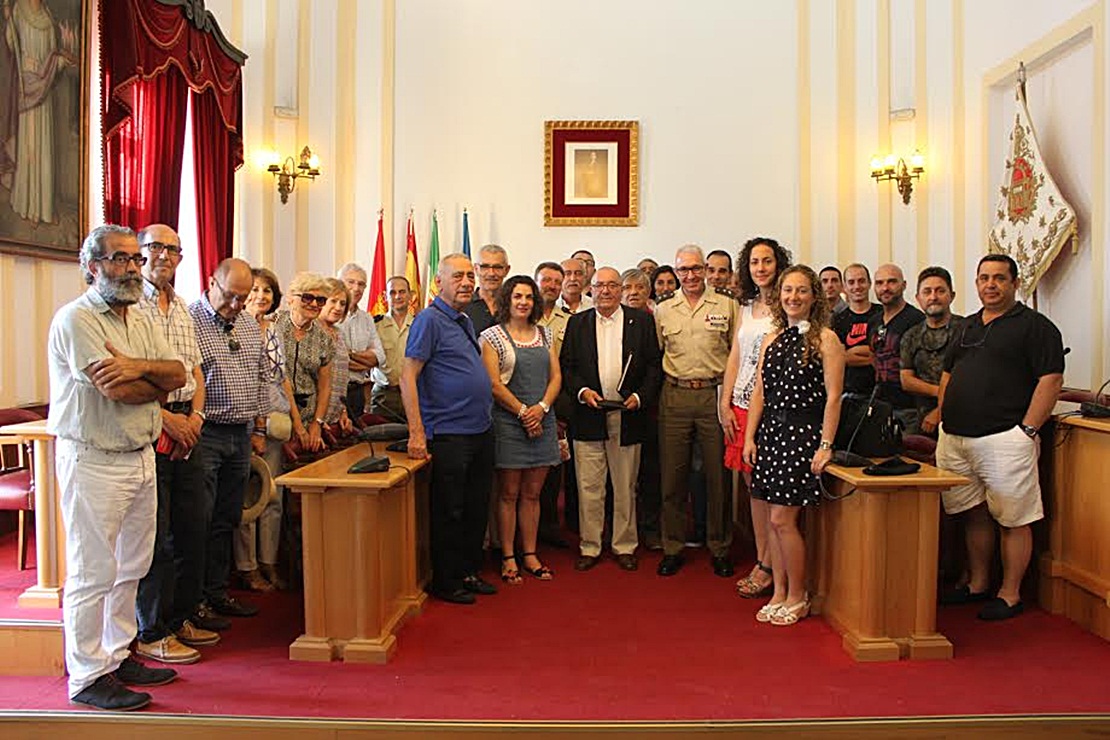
point(229, 287)
point(890, 284)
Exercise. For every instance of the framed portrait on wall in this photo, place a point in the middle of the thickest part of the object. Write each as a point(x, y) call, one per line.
point(591, 173)
point(44, 83)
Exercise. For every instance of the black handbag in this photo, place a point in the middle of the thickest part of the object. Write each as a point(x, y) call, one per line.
point(868, 427)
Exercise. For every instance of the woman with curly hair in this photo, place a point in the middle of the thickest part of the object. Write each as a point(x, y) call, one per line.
point(760, 263)
point(524, 370)
point(792, 420)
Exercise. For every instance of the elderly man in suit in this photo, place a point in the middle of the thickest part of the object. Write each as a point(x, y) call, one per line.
point(611, 365)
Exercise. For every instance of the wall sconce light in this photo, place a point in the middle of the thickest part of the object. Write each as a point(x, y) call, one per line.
point(895, 168)
point(288, 172)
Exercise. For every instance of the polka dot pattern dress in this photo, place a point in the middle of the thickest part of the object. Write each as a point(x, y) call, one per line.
point(790, 429)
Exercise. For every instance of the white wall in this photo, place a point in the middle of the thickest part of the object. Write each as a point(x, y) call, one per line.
point(755, 117)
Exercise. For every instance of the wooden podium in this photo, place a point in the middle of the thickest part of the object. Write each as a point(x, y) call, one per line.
point(873, 562)
point(365, 554)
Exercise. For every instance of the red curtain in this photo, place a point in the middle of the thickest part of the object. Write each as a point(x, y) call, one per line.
point(216, 154)
point(142, 160)
point(152, 55)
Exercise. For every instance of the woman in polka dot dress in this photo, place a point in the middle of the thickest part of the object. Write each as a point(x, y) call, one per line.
point(792, 420)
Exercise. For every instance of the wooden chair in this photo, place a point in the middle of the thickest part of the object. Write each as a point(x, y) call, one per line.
point(17, 482)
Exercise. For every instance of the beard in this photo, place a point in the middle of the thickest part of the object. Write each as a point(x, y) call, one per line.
point(935, 311)
point(122, 291)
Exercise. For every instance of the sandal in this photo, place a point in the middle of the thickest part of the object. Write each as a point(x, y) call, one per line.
point(510, 575)
point(749, 588)
point(788, 615)
point(768, 611)
point(541, 572)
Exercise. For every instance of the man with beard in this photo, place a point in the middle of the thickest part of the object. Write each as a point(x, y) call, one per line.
point(493, 266)
point(885, 334)
point(109, 370)
point(448, 403)
point(171, 591)
point(923, 346)
point(549, 278)
point(832, 283)
point(572, 298)
point(586, 257)
point(364, 346)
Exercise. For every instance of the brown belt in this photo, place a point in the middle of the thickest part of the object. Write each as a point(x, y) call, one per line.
point(694, 383)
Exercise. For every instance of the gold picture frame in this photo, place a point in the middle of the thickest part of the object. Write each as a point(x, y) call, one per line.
point(591, 173)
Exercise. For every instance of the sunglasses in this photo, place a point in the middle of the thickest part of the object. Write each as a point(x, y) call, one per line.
point(232, 343)
point(979, 343)
point(319, 300)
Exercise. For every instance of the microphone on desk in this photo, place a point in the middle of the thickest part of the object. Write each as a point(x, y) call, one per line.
point(380, 433)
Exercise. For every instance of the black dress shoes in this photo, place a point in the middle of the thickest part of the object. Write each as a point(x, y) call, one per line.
point(722, 566)
point(669, 565)
point(134, 673)
point(109, 694)
point(962, 595)
point(628, 561)
point(229, 606)
point(997, 609)
point(454, 596)
point(585, 562)
point(475, 585)
point(207, 619)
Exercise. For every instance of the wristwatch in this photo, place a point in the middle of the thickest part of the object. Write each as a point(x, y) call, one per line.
point(1030, 432)
point(543, 406)
point(826, 444)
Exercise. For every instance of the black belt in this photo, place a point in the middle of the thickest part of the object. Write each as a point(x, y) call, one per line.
point(797, 416)
point(179, 407)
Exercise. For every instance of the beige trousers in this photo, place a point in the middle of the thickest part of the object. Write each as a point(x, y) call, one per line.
point(593, 460)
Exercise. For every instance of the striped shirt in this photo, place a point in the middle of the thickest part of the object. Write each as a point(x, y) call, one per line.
point(236, 367)
point(177, 327)
point(360, 334)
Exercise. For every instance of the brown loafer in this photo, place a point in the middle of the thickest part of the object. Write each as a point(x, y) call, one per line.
point(628, 561)
point(585, 562)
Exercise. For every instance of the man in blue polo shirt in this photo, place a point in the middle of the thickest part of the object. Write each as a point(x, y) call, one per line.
point(448, 399)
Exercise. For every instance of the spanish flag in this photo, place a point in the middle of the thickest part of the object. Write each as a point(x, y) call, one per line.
point(412, 268)
point(376, 303)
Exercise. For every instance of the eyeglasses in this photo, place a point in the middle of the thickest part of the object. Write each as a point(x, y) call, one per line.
point(607, 286)
point(319, 300)
point(120, 259)
point(693, 270)
point(969, 345)
point(240, 298)
point(232, 342)
point(491, 267)
point(880, 333)
point(158, 247)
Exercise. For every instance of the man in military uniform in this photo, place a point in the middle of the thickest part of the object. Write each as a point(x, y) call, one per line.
point(393, 330)
point(695, 328)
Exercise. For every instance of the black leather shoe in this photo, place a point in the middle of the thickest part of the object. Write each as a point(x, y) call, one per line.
point(134, 673)
point(585, 562)
point(475, 585)
point(962, 595)
point(669, 565)
point(109, 694)
point(207, 619)
point(722, 566)
point(628, 561)
point(457, 596)
point(997, 609)
point(229, 606)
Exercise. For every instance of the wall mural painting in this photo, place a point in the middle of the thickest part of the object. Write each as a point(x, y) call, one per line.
point(43, 126)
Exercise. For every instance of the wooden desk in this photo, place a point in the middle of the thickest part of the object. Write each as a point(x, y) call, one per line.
point(50, 541)
point(1075, 572)
point(872, 562)
point(365, 554)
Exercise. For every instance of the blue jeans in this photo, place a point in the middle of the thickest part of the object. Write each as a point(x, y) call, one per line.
point(171, 590)
point(227, 464)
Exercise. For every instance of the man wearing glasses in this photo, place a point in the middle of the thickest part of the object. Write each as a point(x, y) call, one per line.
point(694, 328)
point(236, 374)
point(493, 266)
point(1003, 371)
point(169, 594)
point(924, 344)
point(109, 370)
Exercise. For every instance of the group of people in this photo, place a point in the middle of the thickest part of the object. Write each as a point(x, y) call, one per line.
point(633, 393)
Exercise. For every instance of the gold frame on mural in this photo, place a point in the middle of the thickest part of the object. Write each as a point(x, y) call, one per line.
point(591, 173)
point(60, 240)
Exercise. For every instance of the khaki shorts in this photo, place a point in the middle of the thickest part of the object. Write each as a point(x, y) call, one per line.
point(1003, 472)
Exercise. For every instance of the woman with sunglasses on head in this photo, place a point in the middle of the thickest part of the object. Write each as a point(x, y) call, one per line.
point(792, 418)
point(760, 263)
point(256, 543)
point(521, 362)
point(334, 311)
point(309, 352)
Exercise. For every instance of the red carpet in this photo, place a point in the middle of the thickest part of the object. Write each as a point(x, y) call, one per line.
point(608, 645)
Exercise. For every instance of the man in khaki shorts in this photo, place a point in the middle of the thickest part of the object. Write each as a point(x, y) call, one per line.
point(1002, 373)
point(695, 328)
